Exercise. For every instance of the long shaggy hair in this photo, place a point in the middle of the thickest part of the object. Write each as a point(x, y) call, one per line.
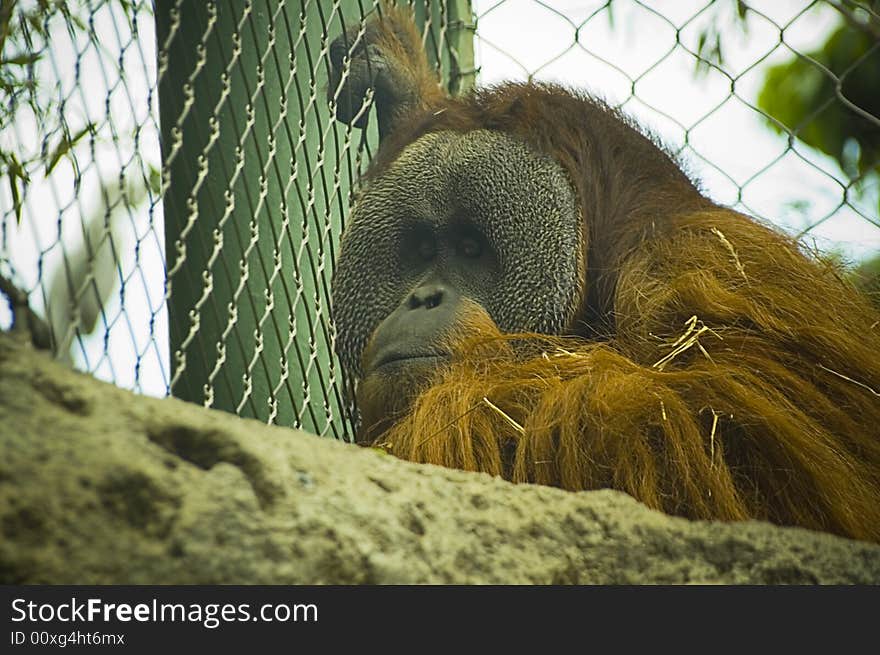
point(757, 406)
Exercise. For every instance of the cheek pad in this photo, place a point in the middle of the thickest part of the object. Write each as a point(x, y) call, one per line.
point(525, 205)
point(364, 288)
point(537, 290)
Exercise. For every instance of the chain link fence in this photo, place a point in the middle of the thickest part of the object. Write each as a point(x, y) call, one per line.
point(173, 186)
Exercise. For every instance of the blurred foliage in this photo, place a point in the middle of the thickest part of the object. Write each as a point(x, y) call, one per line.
point(80, 287)
point(822, 97)
point(24, 35)
point(710, 41)
point(829, 98)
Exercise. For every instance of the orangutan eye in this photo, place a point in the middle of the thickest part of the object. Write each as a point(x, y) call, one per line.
point(426, 249)
point(470, 247)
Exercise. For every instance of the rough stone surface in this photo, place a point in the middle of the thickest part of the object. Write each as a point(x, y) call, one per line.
point(98, 485)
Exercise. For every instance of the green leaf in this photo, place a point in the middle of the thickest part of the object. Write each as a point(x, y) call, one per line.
point(155, 181)
point(701, 43)
point(16, 199)
point(15, 172)
point(65, 146)
point(5, 17)
point(23, 59)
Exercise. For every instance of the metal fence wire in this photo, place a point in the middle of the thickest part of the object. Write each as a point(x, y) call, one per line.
point(174, 185)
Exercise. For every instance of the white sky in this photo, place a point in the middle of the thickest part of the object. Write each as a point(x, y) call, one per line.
point(730, 146)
